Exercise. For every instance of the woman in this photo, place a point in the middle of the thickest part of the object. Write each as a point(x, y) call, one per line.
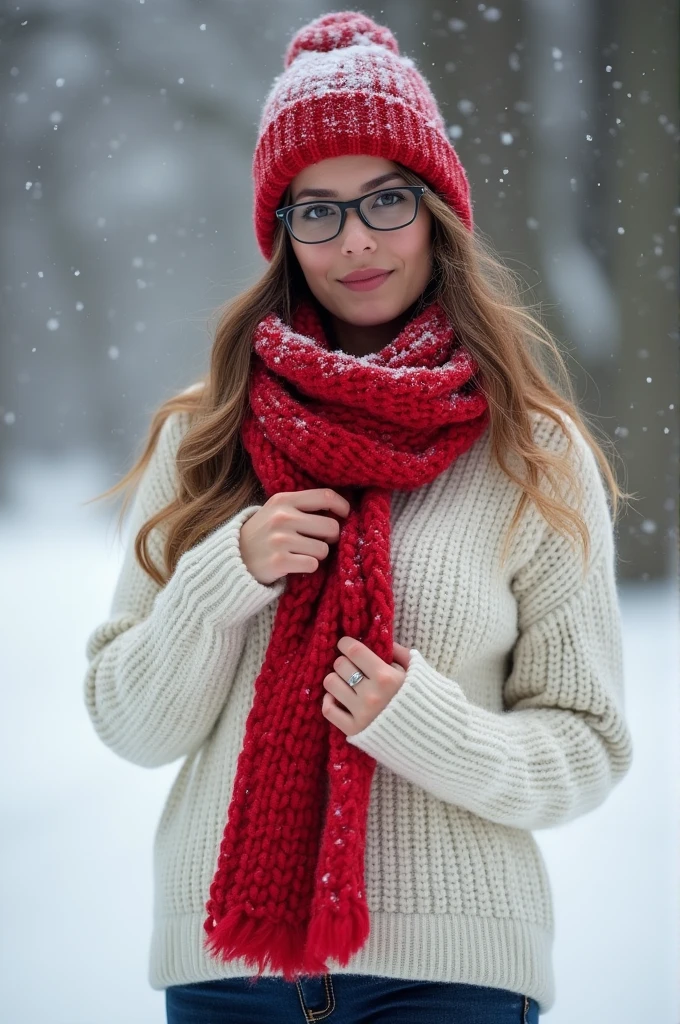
point(370, 593)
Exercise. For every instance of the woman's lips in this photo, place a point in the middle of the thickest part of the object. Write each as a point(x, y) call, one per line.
point(368, 284)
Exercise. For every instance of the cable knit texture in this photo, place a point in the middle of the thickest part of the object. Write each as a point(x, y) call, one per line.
point(510, 718)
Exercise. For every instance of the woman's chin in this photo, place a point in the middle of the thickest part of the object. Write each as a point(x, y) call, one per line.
point(368, 314)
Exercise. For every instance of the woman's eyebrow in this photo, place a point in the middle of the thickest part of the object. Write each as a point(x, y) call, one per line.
point(328, 193)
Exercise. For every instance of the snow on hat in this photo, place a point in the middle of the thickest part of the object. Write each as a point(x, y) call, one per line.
point(346, 89)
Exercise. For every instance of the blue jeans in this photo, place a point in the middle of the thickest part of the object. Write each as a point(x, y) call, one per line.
point(345, 999)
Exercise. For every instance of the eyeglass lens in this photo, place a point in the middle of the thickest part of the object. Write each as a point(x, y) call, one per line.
point(387, 209)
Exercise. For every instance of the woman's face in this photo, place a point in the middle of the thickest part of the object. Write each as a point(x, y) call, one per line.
point(406, 252)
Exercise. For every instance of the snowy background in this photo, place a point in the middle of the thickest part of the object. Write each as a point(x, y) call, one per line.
point(126, 203)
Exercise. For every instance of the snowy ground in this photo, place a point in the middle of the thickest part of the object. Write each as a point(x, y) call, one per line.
point(78, 822)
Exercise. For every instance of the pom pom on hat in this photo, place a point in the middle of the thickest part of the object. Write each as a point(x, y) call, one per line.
point(346, 89)
point(338, 30)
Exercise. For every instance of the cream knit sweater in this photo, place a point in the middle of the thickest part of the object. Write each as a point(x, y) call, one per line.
point(510, 718)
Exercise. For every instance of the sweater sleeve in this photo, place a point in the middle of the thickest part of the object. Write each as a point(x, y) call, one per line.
point(161, 665)
point(561, 743)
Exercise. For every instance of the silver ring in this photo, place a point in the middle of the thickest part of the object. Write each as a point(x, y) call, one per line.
point(355, 679)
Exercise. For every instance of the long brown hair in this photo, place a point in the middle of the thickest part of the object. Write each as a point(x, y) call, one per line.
point(482, 297)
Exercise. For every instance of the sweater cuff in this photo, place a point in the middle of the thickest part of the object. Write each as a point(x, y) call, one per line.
point(424, 719)
point(223, 586)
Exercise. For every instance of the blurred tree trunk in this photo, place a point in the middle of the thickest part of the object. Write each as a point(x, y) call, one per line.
point(644, 269)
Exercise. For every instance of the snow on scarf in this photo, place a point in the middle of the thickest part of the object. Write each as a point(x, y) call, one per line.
point(288, 890)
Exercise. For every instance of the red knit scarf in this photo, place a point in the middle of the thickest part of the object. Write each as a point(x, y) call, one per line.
point(289, 888)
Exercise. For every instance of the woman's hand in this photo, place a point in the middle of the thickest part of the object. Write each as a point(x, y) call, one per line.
point(286, 536)
point(373, 693)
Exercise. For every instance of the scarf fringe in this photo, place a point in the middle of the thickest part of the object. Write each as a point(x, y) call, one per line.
point(263, 943)
point(339, 937)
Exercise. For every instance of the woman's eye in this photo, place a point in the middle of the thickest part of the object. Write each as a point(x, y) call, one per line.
point(391, 195)
point(310, 209)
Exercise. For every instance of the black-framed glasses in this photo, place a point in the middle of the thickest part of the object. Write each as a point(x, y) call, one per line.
point(386, 209)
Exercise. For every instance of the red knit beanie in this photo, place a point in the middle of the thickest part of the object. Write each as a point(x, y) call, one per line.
point(347, 90)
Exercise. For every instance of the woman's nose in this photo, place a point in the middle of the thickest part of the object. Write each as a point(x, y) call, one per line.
point(354, 231)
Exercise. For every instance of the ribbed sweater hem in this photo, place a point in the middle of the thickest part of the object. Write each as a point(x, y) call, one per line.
point(495, 952)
